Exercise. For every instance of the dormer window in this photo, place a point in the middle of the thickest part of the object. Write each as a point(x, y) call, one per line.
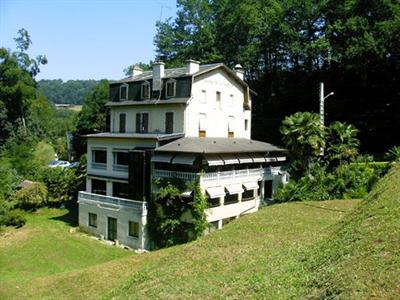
point(123, 92)
point(145, 90)
point(171, 87)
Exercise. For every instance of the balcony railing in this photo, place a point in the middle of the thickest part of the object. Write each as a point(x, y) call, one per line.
point(217, 177)
point(99, 166)
point(85, 196)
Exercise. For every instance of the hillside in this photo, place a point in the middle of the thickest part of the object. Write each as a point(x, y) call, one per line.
point(297, 250)
point(361, 260)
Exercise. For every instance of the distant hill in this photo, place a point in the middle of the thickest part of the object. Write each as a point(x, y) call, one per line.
point(68, 92)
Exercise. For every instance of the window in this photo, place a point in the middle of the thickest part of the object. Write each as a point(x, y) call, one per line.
point(99, 156)
point(231, 126)
point(231, 99)
point(92, 220)
point(218, 99)
point(169, 122)
point(123, 92)
point(99, 187)
point(134, 229)
point(202, 125)
point(145, 90)
point(203, 98)
point(122, 122)
point(248, 195)
point(142, 122)
point(171, 86)
point(121, 190)
point(246, 124)
point(121, 158)
point(212, 202)
point(230, 199)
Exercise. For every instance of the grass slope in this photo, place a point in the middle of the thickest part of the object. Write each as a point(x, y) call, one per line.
point(45, 247)
point(361, 260)
point(255, 255)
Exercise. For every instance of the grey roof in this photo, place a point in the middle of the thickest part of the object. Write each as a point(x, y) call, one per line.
point(170, 73)
point(152, 101)
point(154, 136)
point(218, 145)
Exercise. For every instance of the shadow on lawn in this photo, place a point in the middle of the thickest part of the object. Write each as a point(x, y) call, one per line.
point(71, 218)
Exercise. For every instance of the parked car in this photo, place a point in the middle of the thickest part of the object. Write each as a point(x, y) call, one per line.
point(59, 163)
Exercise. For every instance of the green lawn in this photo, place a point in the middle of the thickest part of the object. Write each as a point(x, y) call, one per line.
point(341, 249)
point(45, 247)
point(255, 255)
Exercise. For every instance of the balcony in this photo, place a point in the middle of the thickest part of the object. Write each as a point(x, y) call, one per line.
point(224, 177)
point(113, 202)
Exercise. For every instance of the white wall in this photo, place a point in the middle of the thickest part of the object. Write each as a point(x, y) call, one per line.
point(217, 115)
point(156, 117)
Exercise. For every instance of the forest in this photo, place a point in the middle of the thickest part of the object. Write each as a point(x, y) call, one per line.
point(287, 47)
point(68, 92)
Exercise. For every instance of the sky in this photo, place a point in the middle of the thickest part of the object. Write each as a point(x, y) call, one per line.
point(86, 39)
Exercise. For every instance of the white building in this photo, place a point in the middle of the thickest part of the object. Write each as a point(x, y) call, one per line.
point(191, 122)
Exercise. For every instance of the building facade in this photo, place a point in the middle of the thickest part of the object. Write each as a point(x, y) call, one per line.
point(191, 123)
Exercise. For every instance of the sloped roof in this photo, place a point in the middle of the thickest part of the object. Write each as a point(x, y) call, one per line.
point(149, 102)
point(154, 136)
point(218, 145)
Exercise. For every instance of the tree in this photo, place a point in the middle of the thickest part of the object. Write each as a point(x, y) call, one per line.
point(93, 116)
point(304, 137)
point(342, 143)
point(145, 67)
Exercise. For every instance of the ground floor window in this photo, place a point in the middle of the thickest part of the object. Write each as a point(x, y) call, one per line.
point(229, 199)
point(248, 195)
point(134, 229)
point(92, 220)
point(212, 202)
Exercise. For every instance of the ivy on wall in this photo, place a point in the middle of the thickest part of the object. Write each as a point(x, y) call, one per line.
point(173, 219)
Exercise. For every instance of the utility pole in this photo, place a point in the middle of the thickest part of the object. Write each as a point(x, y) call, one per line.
point(322, 98)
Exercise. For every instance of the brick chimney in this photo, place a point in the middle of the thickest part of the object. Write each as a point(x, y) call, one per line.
point(158, 74)
point(192, 66)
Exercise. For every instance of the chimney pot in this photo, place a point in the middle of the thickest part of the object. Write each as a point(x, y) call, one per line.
point(239, 71)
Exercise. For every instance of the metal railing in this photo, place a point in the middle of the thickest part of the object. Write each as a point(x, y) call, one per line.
point(85, 196)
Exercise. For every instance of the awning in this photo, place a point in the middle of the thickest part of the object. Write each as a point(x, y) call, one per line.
point(214, 160)
point(257, 158)
point(229, 159)
point(270, 159)
point(162, 157)
point(184, 159)
point(244, 158)
point(234, 189)
point(250, 185)
point(216, 192)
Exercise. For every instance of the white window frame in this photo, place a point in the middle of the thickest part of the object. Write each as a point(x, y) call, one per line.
point(141, 119)
point(218, 101)
point(131, 236)
point(232, 100)
point(145, 83)
point(127, 89)
point(231, 123)
point(173, 120)
point(169, 81)
point(246, 124)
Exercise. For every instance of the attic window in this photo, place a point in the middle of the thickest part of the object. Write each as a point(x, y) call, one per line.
point(123, 92)
point(171, 88)
point(145, 90)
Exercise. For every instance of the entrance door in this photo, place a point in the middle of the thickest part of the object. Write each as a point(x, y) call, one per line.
point(268, 189)
point(112, 229)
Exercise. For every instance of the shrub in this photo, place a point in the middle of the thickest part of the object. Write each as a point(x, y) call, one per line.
point(394, 154)
point(32, 196)
point(43, 154)
point(16, 218)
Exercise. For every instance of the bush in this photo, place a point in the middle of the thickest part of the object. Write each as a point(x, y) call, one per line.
point(16, 218)
point(32, 196)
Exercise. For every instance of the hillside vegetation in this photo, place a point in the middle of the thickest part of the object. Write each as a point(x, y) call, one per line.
point(297, 250)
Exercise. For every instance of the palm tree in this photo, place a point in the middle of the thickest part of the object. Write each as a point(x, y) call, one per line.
point(342, 142)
